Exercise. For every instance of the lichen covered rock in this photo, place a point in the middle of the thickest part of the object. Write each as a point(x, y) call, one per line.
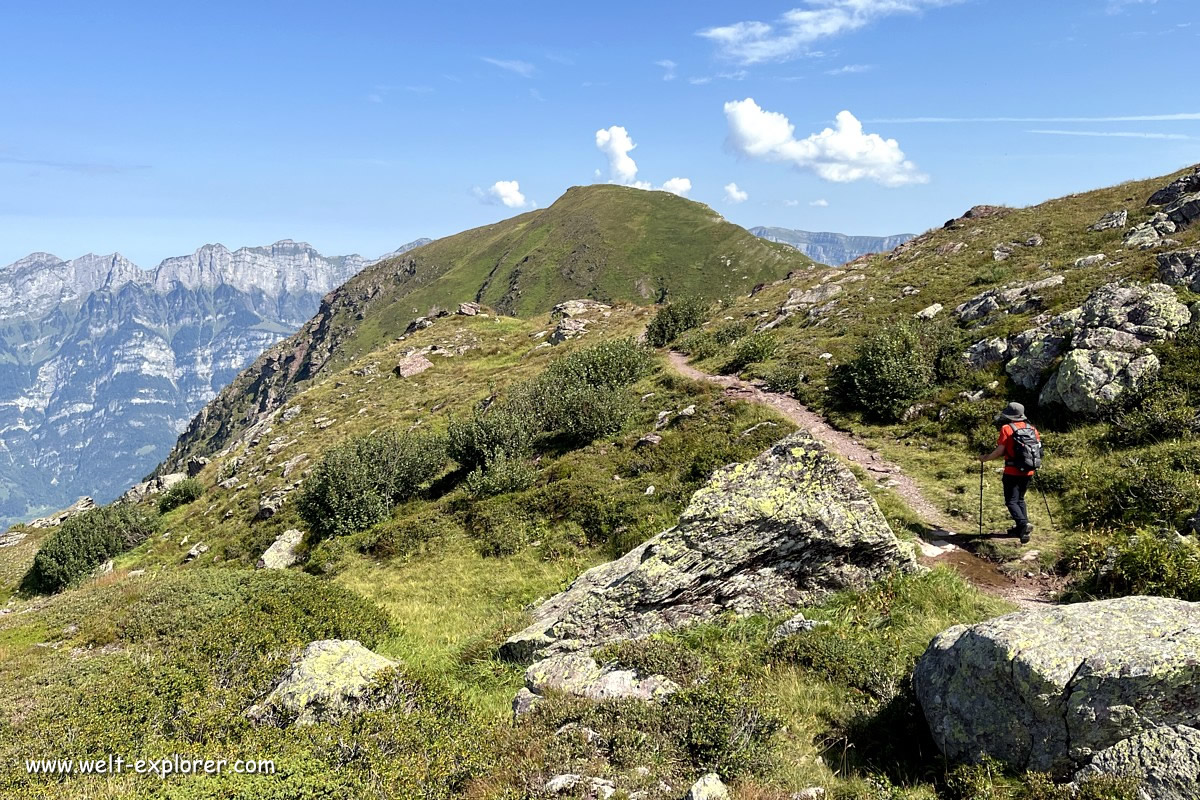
point(784, 530)
point(330, 679)
point(582, 676)
point(1181, 268)
point(1166, 760)
point(1048, 689)
point(282, 552)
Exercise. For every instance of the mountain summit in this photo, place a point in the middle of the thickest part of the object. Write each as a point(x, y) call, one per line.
point(102, 363)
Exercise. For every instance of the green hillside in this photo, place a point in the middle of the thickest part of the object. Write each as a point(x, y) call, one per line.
point(606, 243)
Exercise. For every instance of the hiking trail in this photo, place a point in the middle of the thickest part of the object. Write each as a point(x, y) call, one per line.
point(935, 549)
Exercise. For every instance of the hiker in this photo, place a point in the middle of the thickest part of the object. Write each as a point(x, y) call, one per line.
point(1020, 446)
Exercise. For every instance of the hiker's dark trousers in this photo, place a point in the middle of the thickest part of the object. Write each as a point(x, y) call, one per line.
point(1015, 487)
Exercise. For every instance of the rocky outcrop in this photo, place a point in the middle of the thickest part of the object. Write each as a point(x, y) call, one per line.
point(573, 318)
point(1187, 184)
point(783, 530)
point(1010, 300)
point(1149, 235)
point(1184, 211)
point(977, 213)
point(282, 552)
point(1089, 261)
point(1050, 688)
point(54, 520)
point(581, 786)
point(1113, 219)
point(1089, 356)
point(327, 681)
point(1165, 760)
point(581, 676)
point(140, 491)
point(412, 365)
point(1181, 268)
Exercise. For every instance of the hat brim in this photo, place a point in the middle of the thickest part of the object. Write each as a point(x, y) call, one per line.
point(1007, 418)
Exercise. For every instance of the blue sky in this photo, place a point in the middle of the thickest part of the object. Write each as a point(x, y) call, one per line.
point(153, 128)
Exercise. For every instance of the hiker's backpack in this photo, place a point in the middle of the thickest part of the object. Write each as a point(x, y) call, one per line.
point(1026, 449)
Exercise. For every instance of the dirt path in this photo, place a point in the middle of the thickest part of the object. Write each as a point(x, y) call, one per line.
point(936, 547)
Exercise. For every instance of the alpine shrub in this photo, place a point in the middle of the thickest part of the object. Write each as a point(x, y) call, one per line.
point(86, 541)
point(620, 362)
point(1161, 415)
point(749, 350)
point(675, 318)
point(1146, 563)
point(506, 428)
point(180, 494)
point(890, 371)
point(356, 483)
point(501, 475)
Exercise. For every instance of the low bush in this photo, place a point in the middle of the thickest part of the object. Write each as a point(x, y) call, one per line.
point(890, 371)
point(583, 396)
point(750, 350)
point(674, 318)
point(699, 345)
point(1147, 562)
point(503, 474)
point(1156, 486)
point(619, 362)
point(785, 379)
point(506, 428)
point(86, 541)
point(355, 484)
point(583, 413)
point(182, 493)
point(1162, 414)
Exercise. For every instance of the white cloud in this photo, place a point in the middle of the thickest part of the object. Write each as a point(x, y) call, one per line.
point(735, 195)
point(679, 186)
point(752, 42)
point(507, 193)
point(821, 203)
point(791, 203)
point(668, 68)
point(1119, 6)
point(841, 154)
point(616, 143)
point(850, 69)
point(522, 68)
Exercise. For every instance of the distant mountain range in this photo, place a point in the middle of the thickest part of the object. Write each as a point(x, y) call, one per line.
point(832, 248)
point(102, 363)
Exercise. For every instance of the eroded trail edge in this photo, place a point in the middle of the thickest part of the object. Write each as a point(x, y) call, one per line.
point(935, 547)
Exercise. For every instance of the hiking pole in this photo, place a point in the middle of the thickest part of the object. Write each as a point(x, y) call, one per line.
point(1045, 500)
point(981, 498)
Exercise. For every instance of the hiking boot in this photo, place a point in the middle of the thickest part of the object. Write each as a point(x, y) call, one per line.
point(1026, 533)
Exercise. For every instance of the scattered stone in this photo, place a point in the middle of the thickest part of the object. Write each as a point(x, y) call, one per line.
point(230, 482)
point(524, 702)
point(468, 309)
point(290, 466)
point(107, 567)
point(803, 300)
point(291, 412)
point(591, 788)
point(577, 308)
point(972, 397)
point(329, 680)
point(1090, 261)
point(581, 676)
point(649, 440)
point(418, 324)
point(197, 551)
point(950, 248)
point(1165, 759)
point(269, 504)
point(811, 793)
point(929, 312)
point(195, 465)
point(12, 537)
point(976, 213)
point(1048, 688)
point(797, 624)
point(282, 552)
point(914, 411)
point(412, 365)
point(753, 428)
point(1113, 219)
point(1184, 211)
point(1181, 268)
point(787, 529)
point(568, 328)
point(709, 787)
point(1002, 252)
point(690, 411)
point(1036, 240)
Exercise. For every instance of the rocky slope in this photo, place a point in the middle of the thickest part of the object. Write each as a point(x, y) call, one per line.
point(831, 248)
point(102, 363)
point(599, 242)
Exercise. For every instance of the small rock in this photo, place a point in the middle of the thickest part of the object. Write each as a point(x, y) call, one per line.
point(468, 309)
point(1113, 219)
point(593, 788)
point(282, 552)
point(797, 624)
point(929, 312)
point(410, 366)
point(709, 787)
point(649, 440)
point(1035, 241)
point(230, 482)
point(291, 412)
point(330, 679)
point(524, 702)
point(195, 464)
point(1090, 261)
point(688, 412)
point(811, 793)
point(196, 552)
point(650, 490)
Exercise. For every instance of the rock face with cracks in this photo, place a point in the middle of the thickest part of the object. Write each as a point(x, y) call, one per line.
point(786, 529)
point(1048, 689)
point(1166, 761)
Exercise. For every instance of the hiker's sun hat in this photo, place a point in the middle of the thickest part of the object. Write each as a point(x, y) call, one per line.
point(1013, 412)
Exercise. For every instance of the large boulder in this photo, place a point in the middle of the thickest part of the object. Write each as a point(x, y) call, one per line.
point(1009, 299)
point(1184, 211)
point(329, 680)
point(1089, 356)
point(1049, 688)
point(1181, 268)
point(282, 552)
point(784, 530)
point(1113, 219)
point(1166, 760)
